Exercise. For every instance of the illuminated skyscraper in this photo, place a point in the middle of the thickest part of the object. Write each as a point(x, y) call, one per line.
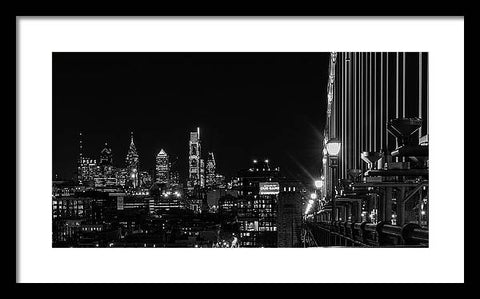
point(194, 160)
point(210, 171)
point(162, 168)
point(106, 161)
point(87, 169)
point(202, 173)
point(106, 173)
point(132, 163)
point(174, 176)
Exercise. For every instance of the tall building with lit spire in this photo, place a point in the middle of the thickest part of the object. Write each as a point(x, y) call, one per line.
point(87, 168)
point(194, 160)
point(80, 158)
point(174, 176)
point(132, 163)
point(162, 168)
point(210, 171)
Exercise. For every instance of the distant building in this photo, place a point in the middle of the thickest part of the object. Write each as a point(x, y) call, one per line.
point(214, 196)
point(210, 171)
point(132, 164)
point(202, 173)
point(220, 181)
point(174, 175)
point(194, 160)
point(121, 175)
point(228, 204)
point(106, 156)
point(162, 168)
point(88, 170)
point(106, 175)
point(145, 179)
point(174, 179)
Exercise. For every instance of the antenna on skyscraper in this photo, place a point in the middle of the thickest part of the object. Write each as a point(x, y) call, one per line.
point(81, 146)
point(80, 155)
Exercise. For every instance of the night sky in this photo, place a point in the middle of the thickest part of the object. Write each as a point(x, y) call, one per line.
point(248, 106)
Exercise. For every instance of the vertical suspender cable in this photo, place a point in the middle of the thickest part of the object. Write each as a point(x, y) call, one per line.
point(370, 101)
point(375, 102)
point(420, 90)
point(347, 119)
point(396, 90)
point(344, 119)
point(332, 106)
point(335, 100)
point(351, 128)
point(367, 108)
point(363, 103)
point(387, 95)
point(403, 81)
point(360, 103)
point(396, 102)
point(427, 98)
point(367, 102)
point(355, 126)
point(381, 100)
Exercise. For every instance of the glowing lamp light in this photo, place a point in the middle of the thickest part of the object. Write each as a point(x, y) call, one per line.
point(313, 196)
point(254, 161)
point(266, 161)
point(318, 184)
point(333, 147)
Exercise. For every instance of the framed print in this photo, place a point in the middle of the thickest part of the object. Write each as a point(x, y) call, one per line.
point(203, 146)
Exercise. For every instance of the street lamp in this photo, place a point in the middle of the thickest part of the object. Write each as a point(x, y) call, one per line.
point(318, 184)
point(333, 149)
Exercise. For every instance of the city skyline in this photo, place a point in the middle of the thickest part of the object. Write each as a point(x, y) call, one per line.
point(106, 154)
point(230, 87)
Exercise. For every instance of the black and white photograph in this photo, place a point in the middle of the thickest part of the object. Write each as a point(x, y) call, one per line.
point(310, 149)
point(240, 149)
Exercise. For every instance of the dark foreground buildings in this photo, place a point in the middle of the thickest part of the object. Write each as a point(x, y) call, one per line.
point(268, 208)
point(117, 207)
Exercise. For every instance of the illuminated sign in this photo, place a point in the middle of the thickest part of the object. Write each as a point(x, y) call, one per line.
point(267, 188)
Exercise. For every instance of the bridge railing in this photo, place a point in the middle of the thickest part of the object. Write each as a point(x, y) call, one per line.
point(364, 234)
